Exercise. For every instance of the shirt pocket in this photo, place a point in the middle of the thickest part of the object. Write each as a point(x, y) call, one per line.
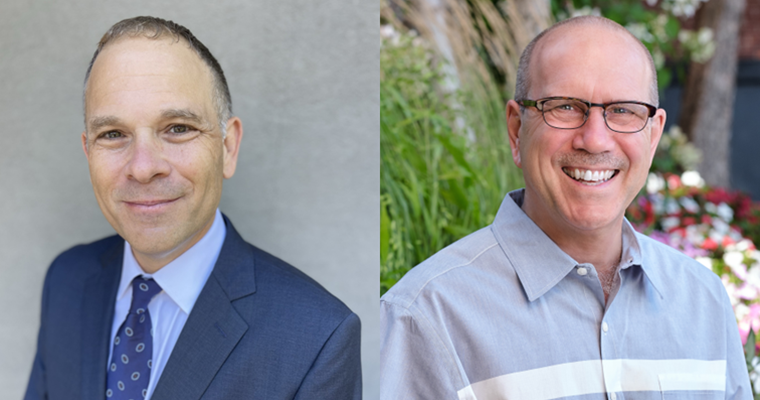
point(692, 386)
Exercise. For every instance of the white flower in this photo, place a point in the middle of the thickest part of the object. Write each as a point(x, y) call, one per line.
point(733, 258)
point(743, 244)
point(658, 58)
point(640, 31)
point(711, 207)
point(586, 11)
point(705, 35)
point(692, 178)
point(725, 212)
point(747, 292)
point(655, 183)
point(387, 31)
point(753, 276)
point(741, 310)
point(695, 234)
point(706, 261)
point(716, 236)
point(670, 223)
point(731, 291)
point(689, 204)
point(672, 207)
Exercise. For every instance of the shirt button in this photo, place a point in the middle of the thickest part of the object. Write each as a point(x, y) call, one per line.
point(582, 271)
point(613, 396)
point(605, 328)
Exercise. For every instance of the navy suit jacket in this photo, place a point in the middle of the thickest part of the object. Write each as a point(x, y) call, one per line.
point(260, 329)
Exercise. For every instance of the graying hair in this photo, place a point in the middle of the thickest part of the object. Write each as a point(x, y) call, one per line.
point(157, 28)
point(522, 85)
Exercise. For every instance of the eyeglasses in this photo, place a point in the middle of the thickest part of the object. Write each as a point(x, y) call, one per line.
point(570, 113)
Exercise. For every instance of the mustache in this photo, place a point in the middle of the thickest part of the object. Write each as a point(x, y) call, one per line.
point(132, 192)
point(586, 159)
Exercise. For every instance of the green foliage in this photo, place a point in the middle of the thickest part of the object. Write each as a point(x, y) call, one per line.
point(658, 27)
point(445, 158)
point(675, 154)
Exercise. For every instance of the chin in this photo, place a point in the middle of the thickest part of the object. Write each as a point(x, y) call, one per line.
point(593, 221)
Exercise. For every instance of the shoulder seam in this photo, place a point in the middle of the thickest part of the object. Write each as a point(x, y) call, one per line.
point(496, 243)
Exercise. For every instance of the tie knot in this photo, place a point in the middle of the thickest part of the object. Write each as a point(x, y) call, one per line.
point(143, 291)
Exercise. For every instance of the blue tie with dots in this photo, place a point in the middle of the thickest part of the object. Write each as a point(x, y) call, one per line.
point(129, 371)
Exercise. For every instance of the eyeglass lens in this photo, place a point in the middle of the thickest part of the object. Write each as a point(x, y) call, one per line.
point(571, 114)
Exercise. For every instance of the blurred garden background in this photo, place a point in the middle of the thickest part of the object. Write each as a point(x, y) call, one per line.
point(448, 67)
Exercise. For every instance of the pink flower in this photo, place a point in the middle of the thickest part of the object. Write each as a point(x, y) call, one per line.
point(751, 320)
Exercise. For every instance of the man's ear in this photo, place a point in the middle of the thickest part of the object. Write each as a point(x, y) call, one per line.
point(231, 146)
point(84, 146)
point(658, 125)
point(514, 123)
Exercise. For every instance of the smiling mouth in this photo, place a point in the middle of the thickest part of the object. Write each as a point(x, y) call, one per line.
point(149, 203)
point(589, 177)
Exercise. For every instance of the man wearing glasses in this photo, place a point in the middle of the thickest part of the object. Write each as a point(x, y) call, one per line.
point(560, 298)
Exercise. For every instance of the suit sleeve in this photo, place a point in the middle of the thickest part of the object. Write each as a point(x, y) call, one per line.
point(37, 387)
point(414, 361)
point(337, 370)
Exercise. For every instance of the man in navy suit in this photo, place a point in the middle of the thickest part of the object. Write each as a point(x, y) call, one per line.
point(225, 320)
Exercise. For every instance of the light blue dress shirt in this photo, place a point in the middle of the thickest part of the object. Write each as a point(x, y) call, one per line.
point(504, 313)
point(181, 282)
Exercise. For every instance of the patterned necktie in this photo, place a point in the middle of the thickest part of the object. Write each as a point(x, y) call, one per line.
point(129, 371)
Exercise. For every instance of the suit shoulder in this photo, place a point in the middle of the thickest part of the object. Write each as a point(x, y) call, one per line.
point(85, 258)
point(278, 278)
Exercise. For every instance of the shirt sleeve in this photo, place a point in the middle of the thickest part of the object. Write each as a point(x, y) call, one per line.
point(737, 377)
point(415, 363)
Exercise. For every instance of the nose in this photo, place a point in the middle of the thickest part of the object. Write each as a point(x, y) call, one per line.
point(594, 136)
point(147, 159)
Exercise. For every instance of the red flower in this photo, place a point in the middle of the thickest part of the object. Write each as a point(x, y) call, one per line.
point(718, 195)
point(706, 219)
point(674, 182)
point(709, 244)
point(688, 221)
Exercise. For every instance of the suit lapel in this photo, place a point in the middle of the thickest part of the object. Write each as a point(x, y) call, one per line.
point(97, 315)
point(213, 327)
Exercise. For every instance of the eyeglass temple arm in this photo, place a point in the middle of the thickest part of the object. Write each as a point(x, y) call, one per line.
point(528, 103)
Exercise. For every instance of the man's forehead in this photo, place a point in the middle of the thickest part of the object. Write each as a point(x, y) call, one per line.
point(149, 67)
point(587, 53)
point(140, 51)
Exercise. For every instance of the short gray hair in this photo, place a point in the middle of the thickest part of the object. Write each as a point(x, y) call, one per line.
point(157, 28)
point(522, 85)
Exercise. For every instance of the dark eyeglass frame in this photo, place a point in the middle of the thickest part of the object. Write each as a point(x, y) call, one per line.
point(539, 105)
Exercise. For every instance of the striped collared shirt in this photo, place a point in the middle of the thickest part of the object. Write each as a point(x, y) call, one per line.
point(504, 313)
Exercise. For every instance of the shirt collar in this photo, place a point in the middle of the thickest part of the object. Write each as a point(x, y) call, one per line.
point(633, 256)
point(539, 263)
point(184, 277)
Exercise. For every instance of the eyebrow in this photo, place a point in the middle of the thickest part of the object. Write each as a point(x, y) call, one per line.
point(183, 114)
point(97, 123)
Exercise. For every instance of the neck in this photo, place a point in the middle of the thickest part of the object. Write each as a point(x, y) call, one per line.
point(601, 246)
point(151, 262)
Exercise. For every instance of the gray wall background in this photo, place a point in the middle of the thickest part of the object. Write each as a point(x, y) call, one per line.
point(304, 79)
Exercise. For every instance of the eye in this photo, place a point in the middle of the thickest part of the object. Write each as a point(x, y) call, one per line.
point(620, 110)
point(179, 129)
point(111, 135)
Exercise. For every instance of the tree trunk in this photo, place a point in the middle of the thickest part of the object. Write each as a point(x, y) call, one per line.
point(708, 98)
